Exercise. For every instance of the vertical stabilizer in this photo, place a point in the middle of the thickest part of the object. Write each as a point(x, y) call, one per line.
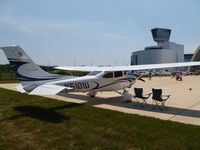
point(30, 74)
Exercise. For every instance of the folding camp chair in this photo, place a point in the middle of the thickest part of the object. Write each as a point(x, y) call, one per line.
point(158, 98)
point(139, 95)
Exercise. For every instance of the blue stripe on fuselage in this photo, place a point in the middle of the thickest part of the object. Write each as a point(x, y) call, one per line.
point(15, 66)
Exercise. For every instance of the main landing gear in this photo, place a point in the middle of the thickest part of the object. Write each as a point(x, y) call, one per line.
point(91, 94)
point(126, 96)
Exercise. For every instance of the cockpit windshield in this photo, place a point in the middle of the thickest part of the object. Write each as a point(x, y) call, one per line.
point(94, 73)
point(108, 75)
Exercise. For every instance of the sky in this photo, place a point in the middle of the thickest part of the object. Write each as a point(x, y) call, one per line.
point(94, 32)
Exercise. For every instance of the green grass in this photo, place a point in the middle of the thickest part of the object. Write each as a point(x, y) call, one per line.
point(9, 81)
point(8, 77)
point(33, 122)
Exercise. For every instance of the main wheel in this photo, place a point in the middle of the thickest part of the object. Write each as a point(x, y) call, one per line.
point(91, 94)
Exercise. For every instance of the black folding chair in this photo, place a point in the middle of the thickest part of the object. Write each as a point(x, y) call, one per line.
point(140, 96)
point(158, 98)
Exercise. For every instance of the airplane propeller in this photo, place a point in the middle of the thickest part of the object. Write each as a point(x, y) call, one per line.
point(136, 77)
point(140, 78)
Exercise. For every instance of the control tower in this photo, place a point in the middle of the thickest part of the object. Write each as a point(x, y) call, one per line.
point(161, 35)
point(164, 52)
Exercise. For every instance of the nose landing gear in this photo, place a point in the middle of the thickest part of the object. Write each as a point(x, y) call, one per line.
point(126, 96)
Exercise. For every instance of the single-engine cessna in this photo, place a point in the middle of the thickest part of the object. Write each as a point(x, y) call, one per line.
point(36, 81)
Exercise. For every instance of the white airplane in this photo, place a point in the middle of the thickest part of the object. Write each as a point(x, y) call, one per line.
point(36, 81)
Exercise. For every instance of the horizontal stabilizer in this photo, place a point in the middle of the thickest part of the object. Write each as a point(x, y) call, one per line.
point(47, 89)
point(20, 88)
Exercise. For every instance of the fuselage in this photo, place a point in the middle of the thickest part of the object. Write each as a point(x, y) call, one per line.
point(98, 81)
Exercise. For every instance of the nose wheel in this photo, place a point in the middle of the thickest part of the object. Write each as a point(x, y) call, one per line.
point(126, 96)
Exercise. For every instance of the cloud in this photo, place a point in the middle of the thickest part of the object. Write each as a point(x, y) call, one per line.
point(27, 24)
point(116, 36)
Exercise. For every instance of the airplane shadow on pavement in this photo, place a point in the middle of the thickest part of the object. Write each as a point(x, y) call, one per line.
point(50, 114)
point(117, 101)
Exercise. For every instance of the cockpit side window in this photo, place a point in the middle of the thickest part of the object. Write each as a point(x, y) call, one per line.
point(118, 74)
point(108, 75)
point(126, 72)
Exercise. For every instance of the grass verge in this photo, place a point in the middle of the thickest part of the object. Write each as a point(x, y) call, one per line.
point(9, 81)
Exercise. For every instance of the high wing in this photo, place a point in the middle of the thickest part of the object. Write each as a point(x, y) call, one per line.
point(83, 68)
point(128, 68)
